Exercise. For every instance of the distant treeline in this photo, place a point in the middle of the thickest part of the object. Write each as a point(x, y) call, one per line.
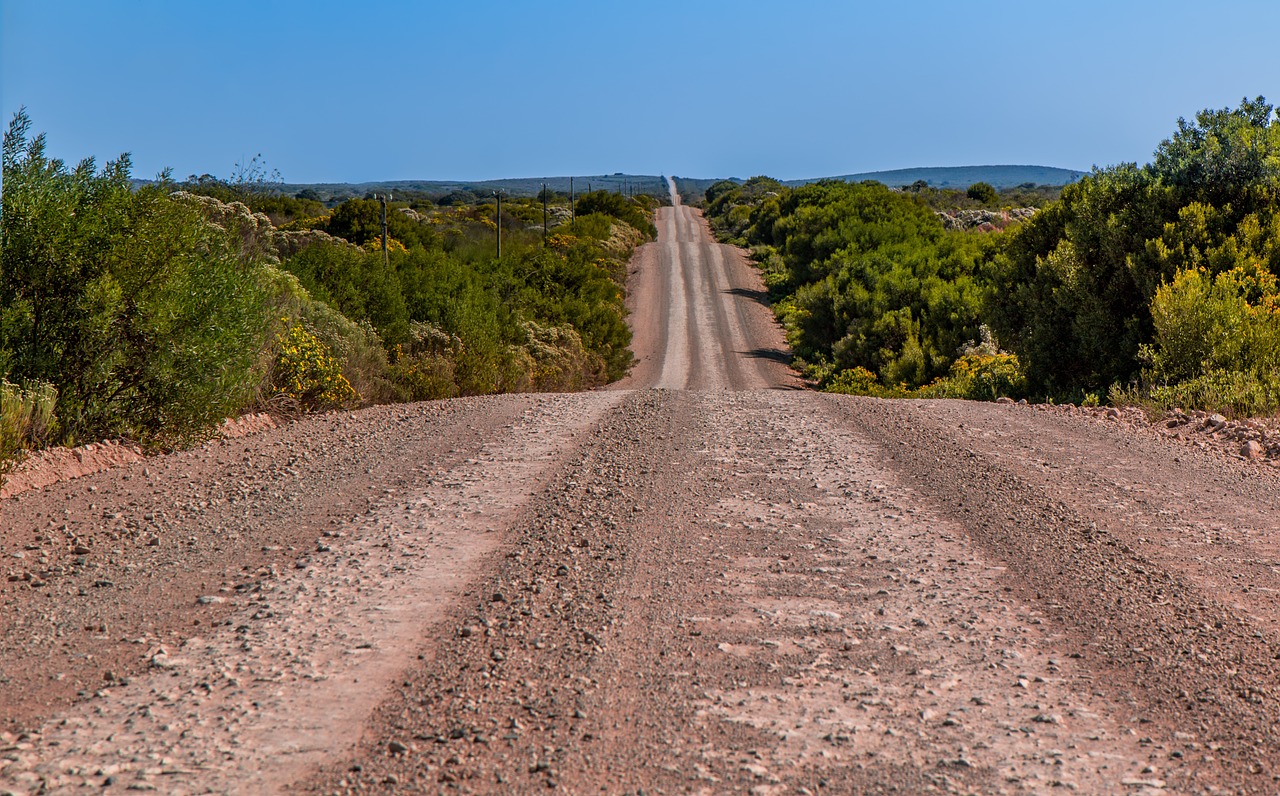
point(434, 192)
point(1152, 283)
point(151, 313)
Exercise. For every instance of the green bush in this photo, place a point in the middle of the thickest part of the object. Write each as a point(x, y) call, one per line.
point(632, 211)
point(306, 372)
point(862, 276)
point(1076, 283)
point(357, 347)
point(27, 420)
point(134, 307)
point(1209, 323)
point(1231, 392)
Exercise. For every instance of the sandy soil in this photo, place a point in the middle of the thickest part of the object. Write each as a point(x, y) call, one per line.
point(704, 580)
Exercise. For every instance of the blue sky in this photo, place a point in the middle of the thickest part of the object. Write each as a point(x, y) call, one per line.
point(362, 91)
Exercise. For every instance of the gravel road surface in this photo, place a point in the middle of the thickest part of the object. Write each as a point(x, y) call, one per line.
point(706, 579)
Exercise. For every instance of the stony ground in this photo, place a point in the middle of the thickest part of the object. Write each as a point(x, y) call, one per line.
point(706, 580)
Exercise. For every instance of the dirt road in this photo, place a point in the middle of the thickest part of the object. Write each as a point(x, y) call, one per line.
point(704, 580)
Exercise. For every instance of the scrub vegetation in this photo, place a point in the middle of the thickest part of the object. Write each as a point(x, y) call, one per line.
point(1153, 284)
point(150, 312)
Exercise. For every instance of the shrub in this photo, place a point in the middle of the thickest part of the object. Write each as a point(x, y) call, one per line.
point(306, 371)
point(986, 377)
point(1209, 323)
point(137, 310)
point(26, 420)
point(357, 347)
point(1234, 393)
point(854, 381)
point(424, 367)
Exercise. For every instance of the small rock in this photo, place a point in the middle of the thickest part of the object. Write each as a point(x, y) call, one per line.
point(397, 748)
point(210, 599)
point(1252, 450)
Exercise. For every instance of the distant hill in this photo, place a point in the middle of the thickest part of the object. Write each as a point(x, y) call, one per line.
point(963, 176)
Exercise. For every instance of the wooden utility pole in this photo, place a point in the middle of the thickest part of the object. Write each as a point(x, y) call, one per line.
point(498, 195)
point(544, 215)
point(573, 210)
point(383, 199)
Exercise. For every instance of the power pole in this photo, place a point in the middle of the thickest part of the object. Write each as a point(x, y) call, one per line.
point(383, 199)
point(544, 215)
point(498, 195)
point(573, 210)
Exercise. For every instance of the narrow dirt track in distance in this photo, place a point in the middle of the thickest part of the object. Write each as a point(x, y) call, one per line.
point(705, 579)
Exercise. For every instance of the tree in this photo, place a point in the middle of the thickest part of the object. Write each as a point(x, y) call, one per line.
point(134, 307)
point(983, 192)
point(1076, 282)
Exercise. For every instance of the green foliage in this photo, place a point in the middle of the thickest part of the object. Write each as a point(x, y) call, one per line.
point(136, 309)
point(1232, 392)
point(27, 420)
point(356, 346)
point(1076, 283)
point(1217, 338)
point(540, 318)
point(980, 376)
point(306, 371)
point(863, 276)
point(982, 373)
point(982, 192)
point(637, 212)
point(359, 221)
point(153, 314)
point(356, 283)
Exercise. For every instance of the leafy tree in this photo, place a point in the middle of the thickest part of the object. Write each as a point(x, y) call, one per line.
point(983, 192)
point(357, 284)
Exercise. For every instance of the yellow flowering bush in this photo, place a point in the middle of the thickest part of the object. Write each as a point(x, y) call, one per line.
point(306, 371)
point(393, 245)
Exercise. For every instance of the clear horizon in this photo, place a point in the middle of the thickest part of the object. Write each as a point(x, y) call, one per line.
point(461, 92)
